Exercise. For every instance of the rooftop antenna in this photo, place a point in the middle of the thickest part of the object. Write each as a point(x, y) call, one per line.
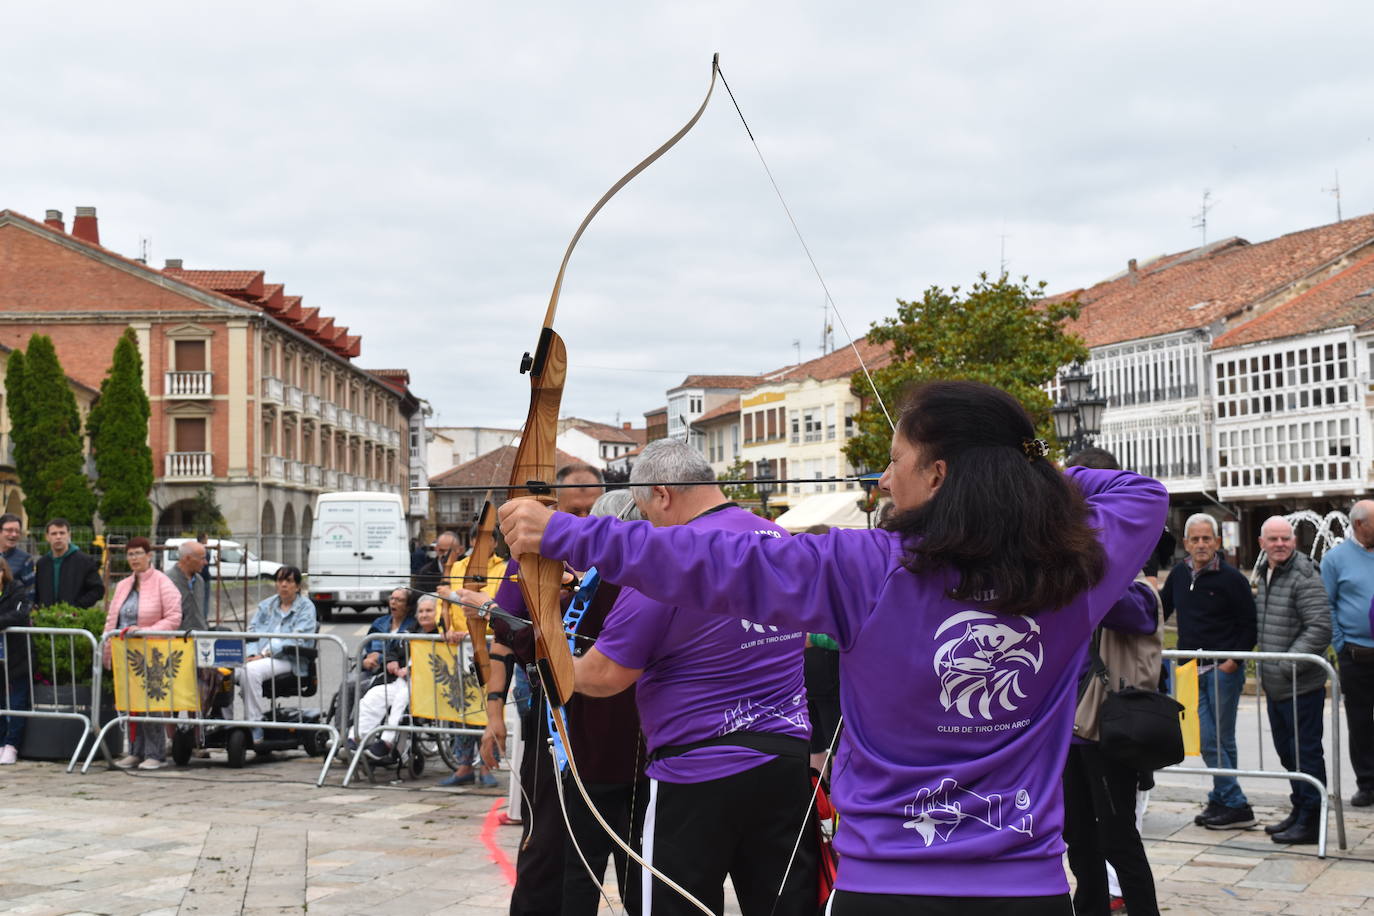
point(1003, 258)
point(797, 343)
point(827, 330)
point(1335, 191)
point(145, 244)
point(1201, 217)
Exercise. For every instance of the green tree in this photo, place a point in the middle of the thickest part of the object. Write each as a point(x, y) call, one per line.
point(57, 484)
point(206, 514)
point(20, 411)
point(1001, 332)
point(118, 429)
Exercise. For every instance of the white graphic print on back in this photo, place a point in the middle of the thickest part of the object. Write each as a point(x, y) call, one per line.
point(939, 812)
point(983, 659)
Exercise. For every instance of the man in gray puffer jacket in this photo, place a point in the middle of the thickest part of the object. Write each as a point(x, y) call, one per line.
point(1294, 616)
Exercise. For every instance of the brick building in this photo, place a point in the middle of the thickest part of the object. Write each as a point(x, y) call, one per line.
point(250, 390)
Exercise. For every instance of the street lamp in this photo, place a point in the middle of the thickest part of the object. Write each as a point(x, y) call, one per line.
point(763, 483)
point(1078, 415)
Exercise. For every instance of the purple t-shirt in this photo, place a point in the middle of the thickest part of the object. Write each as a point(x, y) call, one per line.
point(949, 771)
point(706, 675)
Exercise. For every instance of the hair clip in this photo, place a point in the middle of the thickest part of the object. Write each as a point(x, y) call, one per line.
point(1035, 448)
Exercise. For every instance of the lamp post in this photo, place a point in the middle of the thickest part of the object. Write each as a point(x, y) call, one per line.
point(763, 483)
point(1078, 415)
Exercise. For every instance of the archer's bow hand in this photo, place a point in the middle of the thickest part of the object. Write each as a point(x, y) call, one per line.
point(523, 520)
point(473, 603)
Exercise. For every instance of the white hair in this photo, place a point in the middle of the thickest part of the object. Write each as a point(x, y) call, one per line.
point(618, 503)
point(672, 461)
point(1202, 518)
point(424, 599)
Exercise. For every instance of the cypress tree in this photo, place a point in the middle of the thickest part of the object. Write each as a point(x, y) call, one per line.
point(118, 428)
point(20, 411)
point(53, 442)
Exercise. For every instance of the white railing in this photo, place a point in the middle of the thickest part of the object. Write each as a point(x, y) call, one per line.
point(187, 464)
point(276, 467)
point(312, 404)
point(271, 388)
point(331, 479)
point(295, 471)
point(359, 424)
point(393, 438)
point(373, 430)
point(312, 475)
point(295, 398)
point(187, 384)
point(345, 419)
point(329, 414)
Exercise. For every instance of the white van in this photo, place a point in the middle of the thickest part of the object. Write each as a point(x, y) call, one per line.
point(234, 561)
point(358, 551)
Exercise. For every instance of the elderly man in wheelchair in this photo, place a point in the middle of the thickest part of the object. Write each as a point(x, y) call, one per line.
point(389, 698)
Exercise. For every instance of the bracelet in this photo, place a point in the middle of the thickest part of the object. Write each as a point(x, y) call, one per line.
point(496, 695)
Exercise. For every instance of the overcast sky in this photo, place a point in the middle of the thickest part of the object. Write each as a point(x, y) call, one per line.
point(415, 170)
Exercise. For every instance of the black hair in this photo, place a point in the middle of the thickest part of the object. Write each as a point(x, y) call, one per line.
point(1093, 457)
point(58, 523)
point(11, 517)
point(1004, 518)
point(288, 572)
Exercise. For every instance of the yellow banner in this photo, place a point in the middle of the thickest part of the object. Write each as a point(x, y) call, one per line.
point(441, 688)
point(1185, 691)
point(154, 674)
point(453, 616)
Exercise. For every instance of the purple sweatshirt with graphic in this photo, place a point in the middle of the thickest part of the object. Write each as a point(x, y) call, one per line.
point(957, 719)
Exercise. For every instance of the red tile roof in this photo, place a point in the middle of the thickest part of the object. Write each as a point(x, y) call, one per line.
point(1345, 298)
point(491, 469)
point(718, 381)
point(837, 364)
point(233, 282)
point(1194, 289)
point(603, 432)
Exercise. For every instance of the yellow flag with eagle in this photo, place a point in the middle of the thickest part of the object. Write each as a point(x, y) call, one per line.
point(441, 686)
point(154, 674)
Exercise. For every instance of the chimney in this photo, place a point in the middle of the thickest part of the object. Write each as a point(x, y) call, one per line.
point(172, 264)
point(84, 225)
point(53, 219)
point(625, 425)
point(1131, 269)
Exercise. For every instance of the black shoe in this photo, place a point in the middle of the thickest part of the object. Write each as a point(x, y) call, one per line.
point(1304, 831)
point(1363, 798)
point(1212, 810)
point(1282, 825)
point(378, 751)
point(1231, 818)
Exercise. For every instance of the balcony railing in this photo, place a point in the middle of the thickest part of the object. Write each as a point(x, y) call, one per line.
point(312, 475)
point(295, 398)
point(359, 424)
point(329, 414)
point(331, 479)
point(312, 404)
point(393, 438)
point(272, 389)
point(187, 384)
point(187, 464)
point(276, 468)
point(295, 472)
point(373, 430)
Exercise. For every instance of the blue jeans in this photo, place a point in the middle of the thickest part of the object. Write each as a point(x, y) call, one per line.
point(1297, 727)
point(1218, 696)
point(12, 727)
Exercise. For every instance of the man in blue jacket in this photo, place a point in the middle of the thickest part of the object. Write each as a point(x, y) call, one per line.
point(1216, 610)
point(19, 560)
point(1348, 573)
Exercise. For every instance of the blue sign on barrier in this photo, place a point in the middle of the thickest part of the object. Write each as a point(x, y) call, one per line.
point(211, 653)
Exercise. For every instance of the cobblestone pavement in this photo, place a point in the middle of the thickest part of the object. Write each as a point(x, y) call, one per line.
point(206, 839)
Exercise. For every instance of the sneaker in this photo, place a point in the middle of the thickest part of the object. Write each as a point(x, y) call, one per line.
point(454, 779)
point(9, 754)
point(1231, 818)
point(151, 764)
point(1212, 810)
point(129, 762)
point(378, 750)
point(487, 780)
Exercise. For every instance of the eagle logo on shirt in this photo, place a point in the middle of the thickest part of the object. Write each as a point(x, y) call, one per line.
point(982, 660)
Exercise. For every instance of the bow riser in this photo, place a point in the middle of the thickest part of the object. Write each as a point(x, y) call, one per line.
point(475, 578)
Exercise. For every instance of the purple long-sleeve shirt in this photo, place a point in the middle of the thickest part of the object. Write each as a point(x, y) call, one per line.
point(948, 774)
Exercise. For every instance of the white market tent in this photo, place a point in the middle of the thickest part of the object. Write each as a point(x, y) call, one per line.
point(837, 510)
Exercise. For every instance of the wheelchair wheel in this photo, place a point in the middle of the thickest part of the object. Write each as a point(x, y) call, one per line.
point(237, 747)
point(183, 740)
point(314, 743)
point(417, 762)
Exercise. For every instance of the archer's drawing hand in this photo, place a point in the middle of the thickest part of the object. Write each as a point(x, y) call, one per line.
point(523, 520)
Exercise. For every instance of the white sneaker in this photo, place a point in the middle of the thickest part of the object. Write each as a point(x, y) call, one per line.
point(9, 754)
point(151, 764)
point(129, 762)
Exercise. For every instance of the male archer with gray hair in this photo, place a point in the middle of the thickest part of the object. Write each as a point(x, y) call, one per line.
point(1216, 610)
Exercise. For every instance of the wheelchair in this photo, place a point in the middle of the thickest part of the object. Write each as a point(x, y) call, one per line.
point(281, 729)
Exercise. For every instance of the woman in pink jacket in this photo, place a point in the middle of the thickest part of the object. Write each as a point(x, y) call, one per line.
point(146, 600)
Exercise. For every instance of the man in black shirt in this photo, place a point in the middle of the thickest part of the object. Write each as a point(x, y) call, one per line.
point(66, 575)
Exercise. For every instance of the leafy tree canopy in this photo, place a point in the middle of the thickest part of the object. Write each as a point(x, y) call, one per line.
point(118, 427)
point(56, 484)
point(1001, 332)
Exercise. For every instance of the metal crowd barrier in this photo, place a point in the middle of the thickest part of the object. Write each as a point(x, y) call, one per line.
point(1330, 795)
point(75, 671)
point(448, 688)
point(157, 678)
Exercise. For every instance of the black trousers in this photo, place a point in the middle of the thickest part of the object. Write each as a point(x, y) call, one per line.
point(1357, 684)
point(743, 826)
point(539, 864)
point(1296, 724)
point(849, 903)
point(623, 808)
point(1099, 827)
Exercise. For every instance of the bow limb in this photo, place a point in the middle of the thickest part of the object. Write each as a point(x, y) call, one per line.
point(541, 579)
point(475, 577)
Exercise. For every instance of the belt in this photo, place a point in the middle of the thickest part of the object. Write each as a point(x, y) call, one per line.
point(1361, 654)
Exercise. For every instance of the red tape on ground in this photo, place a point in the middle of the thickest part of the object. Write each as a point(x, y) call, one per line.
point(496, 853)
